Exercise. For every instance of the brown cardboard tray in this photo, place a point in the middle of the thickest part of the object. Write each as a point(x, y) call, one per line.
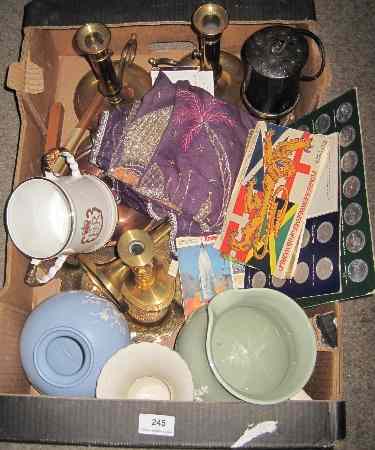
point(48, 71)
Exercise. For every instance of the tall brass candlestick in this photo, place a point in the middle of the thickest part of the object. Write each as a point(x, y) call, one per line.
point(93, 41)
point(118, 81)
point(209, 21)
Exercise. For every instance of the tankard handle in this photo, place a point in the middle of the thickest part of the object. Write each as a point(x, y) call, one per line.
point(319, 43)
point(52, 271)
point(72, 164)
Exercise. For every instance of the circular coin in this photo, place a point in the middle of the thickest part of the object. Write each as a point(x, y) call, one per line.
point(306, 238)
point(344, 112)
point(259, 280)
point(355, 241)
point(351, 186)
point(324, 268)
point(353, 214)
point(347, 136)
point(324, 232)
point(357, 270)
point(278, 282)
point(349, 161)
point(322, 123)
point(302, 273)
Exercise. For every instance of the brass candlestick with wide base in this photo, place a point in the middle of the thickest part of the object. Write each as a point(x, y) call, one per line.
point(118, 82)
point(210, 20)
point(139, 276)
point(147, 287)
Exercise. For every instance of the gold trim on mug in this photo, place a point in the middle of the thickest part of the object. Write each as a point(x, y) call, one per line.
point(71, 215)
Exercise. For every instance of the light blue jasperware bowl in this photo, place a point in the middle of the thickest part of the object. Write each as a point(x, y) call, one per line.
point(67, 340)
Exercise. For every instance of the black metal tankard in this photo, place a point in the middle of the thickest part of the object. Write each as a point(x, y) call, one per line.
point(274, 58)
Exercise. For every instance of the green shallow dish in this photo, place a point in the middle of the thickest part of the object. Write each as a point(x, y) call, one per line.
point(191, 345)
point(260, 344)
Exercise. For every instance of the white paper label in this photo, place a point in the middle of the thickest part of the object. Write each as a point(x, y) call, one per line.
point(173, 268)
point(156, 424)
point(324, 199)
point(200, 78)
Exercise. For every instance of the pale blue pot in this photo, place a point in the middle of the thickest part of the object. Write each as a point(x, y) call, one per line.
point(67, 340)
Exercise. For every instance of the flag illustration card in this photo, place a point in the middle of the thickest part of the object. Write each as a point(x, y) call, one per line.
point(204, 272)
point(318, 268)
point(271, 197)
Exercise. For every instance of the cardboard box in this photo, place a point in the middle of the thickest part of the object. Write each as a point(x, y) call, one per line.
point(48, 71)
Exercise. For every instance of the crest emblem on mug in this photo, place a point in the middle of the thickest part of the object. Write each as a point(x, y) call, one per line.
point(92, 226)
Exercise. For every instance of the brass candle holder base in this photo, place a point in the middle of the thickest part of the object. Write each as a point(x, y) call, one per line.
point(106, 278)
point(137, 277)
point(148, 304)
point(228, 85)
point(163, 332)
point(135, 83)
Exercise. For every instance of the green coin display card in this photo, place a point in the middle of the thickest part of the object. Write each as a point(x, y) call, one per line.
point(338, 265)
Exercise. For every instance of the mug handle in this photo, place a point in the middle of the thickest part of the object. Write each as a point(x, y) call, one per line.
point(319, 43)
point(52, 270)
point(72, 164)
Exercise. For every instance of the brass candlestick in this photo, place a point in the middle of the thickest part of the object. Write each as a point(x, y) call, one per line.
point(93, 41)
point(209, 21)
point(139, 276)
point(147, 287)
point(119, 81)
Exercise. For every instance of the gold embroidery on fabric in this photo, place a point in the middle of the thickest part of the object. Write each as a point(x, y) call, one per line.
point(152, 186)
point(143, 136)
point(224, 171)
point(133, 111)
point(98, 139)
point(178, 196)
point(203, 213)
point(187, 187)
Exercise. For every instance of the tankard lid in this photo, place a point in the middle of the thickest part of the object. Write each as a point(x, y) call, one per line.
point(276, 51)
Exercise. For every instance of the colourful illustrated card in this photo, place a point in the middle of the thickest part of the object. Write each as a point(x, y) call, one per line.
point(271, 197)
point(204, 272)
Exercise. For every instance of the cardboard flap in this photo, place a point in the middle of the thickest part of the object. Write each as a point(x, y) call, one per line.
point(292, 424)
point(25, 77)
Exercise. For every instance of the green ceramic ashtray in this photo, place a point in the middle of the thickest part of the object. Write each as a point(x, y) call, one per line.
point(260, 344)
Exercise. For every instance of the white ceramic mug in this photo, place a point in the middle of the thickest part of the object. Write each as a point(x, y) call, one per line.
point(53, 217)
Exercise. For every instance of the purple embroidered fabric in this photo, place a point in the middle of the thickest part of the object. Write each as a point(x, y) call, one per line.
point(177, 153)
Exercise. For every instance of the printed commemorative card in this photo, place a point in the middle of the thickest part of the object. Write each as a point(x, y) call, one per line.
point(318, 266)
point(269, 204)
point(204, 272)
